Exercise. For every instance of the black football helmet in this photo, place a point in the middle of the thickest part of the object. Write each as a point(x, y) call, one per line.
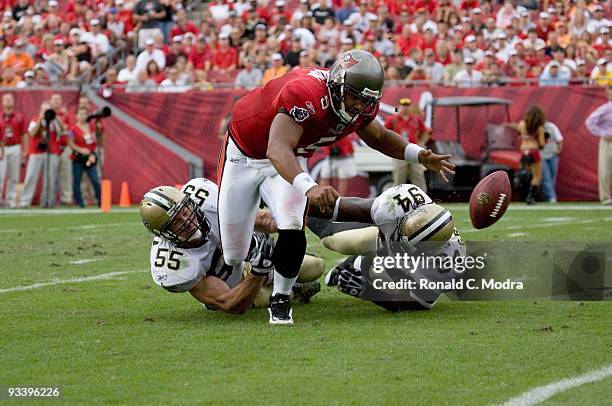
point(360, 74)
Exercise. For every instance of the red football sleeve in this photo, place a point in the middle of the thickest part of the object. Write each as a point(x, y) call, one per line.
point(296, 101)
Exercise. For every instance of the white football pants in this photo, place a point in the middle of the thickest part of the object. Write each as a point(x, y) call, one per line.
point(243, 182)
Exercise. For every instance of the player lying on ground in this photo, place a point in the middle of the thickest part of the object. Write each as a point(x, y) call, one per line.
point(406, 220)
point(186, 252)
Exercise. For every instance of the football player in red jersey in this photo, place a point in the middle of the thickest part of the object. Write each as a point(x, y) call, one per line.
point(272, 131)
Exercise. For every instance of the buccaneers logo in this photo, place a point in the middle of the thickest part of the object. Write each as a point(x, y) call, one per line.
point(299, 114)
point(348, 60)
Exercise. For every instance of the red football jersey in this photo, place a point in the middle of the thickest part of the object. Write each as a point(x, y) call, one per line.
point(303, 95)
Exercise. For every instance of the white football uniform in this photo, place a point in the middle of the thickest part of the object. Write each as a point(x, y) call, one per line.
point(387, 211)
point(180, 269)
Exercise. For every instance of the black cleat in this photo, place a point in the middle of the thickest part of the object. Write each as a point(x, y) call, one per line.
point(280, 309)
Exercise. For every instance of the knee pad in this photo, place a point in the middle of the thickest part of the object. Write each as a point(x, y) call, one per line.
point(312, 268)
point(289, 252)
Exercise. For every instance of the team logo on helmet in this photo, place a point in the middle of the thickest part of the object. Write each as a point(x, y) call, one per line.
point(348, 60)
point(299, 114)
point(484, 198)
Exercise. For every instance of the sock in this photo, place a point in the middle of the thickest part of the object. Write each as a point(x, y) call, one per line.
point(282, 285)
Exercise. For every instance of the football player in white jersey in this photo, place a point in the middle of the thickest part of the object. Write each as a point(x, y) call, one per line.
point(186, 253)
point(406, 220)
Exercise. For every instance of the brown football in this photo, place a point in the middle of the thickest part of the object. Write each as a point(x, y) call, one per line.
point(490, 199)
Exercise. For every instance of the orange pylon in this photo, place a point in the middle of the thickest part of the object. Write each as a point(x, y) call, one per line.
point(124, 197)
point(105, 196)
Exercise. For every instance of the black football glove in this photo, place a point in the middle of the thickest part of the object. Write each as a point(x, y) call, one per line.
point(260, 254)
point(349, 280)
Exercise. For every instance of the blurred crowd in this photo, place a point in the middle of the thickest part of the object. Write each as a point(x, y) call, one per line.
point(172, 45)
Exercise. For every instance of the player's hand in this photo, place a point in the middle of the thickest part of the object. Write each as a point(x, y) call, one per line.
point(437, 163)
point(264, 222)
point(324, 197)
point(350, 280)
point(260, 255)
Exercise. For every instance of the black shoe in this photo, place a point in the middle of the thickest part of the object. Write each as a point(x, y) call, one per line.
point(280, 309)
point(531, 195)
point(303, 292)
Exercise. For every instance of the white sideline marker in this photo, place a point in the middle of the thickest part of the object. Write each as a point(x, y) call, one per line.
point(541, 393)
point(109, 275)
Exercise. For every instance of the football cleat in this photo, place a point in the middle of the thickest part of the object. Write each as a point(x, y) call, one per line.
point(280, 309)
point(303, 292)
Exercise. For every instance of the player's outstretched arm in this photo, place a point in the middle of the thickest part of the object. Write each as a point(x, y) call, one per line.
point(214, 292)
point(353, 209)
point(391, 144)
point(284, 137)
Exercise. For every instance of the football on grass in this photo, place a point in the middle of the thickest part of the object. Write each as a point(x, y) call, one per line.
point(490, 199)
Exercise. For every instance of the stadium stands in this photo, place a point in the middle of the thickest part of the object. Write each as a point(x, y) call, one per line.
point(418, 41)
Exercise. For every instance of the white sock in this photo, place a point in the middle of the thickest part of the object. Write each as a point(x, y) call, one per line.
point(282, 285)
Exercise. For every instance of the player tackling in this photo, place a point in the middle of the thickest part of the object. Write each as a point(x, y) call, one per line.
point(186, 250)
point(272, 131)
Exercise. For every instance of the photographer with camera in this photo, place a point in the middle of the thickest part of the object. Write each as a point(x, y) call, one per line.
point(339, 163)
point(64, 171)
point(82, 140)
point(46, 140)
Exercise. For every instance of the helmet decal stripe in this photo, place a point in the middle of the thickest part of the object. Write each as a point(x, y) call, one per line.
point(431, 228)
point(159, 199)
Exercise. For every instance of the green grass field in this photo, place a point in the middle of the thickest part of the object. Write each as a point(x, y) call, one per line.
point(120, 339)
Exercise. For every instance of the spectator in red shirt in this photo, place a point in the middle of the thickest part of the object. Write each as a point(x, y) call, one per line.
point(175, 49)
point(183, 26)
point(14, 136)
point(125, 15)
point(82, 140)
point(225, 58)
point(544, 26)
point(199, 57)
point(409, 40)
point(154, 72)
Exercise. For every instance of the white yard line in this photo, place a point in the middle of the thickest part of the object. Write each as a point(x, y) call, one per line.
point(50, 212)
point(541, 393)
point(514, 235)
point(109, 275)
point(83, 227)
point(84, 261)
